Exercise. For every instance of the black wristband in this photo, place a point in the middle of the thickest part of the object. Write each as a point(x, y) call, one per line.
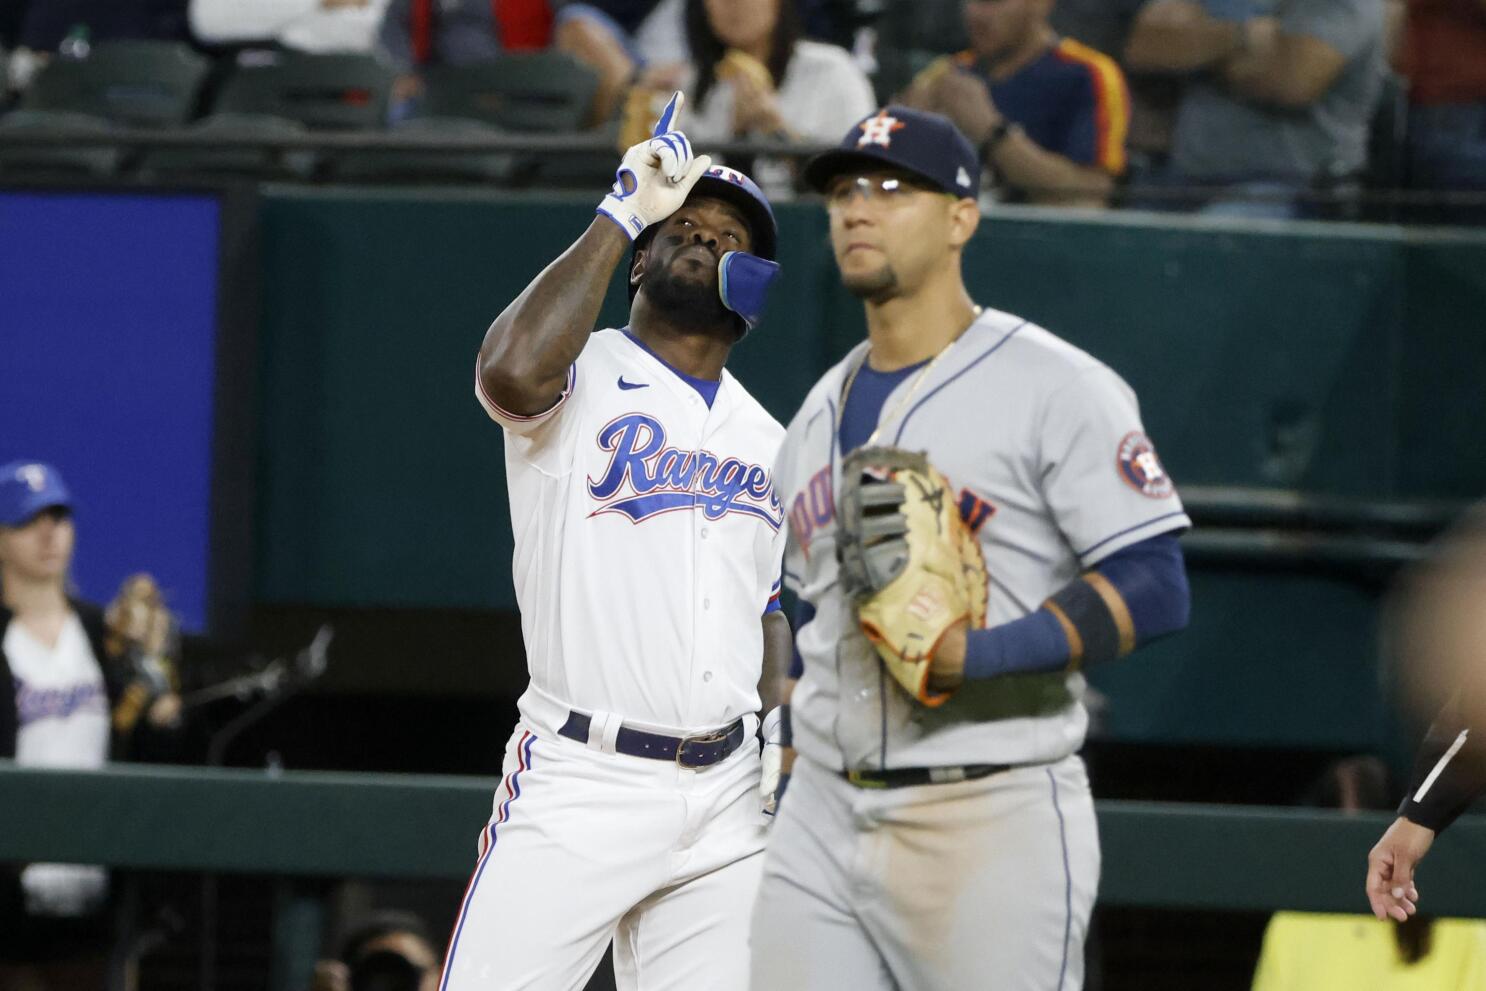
point(1094, 633)
point(998, 134)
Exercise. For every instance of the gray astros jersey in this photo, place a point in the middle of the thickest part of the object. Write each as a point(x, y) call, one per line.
point(1045, 446)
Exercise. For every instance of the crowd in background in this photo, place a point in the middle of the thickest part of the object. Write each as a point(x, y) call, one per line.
point(1229, 106)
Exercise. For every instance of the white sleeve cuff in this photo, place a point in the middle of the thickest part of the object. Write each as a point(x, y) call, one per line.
point(515, 421)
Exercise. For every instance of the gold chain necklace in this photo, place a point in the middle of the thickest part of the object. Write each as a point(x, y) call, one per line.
point(918, 380)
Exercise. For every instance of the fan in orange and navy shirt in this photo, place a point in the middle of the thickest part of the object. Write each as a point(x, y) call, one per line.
point(1048, 114)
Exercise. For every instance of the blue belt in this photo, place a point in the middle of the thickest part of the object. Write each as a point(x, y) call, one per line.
point(687, 751)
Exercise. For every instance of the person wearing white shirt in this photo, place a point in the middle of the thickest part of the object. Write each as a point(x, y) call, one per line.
point(315, 26)
point(755, 76)
point(68, 698)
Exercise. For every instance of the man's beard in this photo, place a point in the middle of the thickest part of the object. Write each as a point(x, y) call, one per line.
point(686, 302)
point(874, 287)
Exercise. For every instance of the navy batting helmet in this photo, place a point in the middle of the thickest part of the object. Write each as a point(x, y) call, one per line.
point(742, 192)
point(733, 187)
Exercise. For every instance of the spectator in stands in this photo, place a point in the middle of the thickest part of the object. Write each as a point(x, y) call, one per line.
point(73, 26)
point(81, 685)
point(1048, 114)
point(1276, 103)
point(420, 33)
point(303, 25)
point(1444, 58)
point(625, 42)
point(754, 76)
point(1311, 951)
point(619, 39)
point(390, 951)
point(1105, 25)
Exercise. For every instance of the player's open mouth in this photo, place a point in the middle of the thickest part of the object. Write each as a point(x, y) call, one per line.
point(858, 246)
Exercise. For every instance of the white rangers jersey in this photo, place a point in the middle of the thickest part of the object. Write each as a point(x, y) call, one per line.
point(648, 540)
point(1054, 472)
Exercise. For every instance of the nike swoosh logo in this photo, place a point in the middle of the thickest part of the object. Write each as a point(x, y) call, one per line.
point(632, 385)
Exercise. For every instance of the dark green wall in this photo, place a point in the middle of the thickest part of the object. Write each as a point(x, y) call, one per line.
point(1336, 360)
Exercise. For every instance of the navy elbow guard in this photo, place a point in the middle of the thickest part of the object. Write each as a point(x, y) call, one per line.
point(1095, 619)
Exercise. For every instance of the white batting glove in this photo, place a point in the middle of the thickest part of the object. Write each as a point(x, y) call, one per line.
point(772, 758)
point(655, 176)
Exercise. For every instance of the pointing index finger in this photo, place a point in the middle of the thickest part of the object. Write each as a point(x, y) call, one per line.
point(667, 120)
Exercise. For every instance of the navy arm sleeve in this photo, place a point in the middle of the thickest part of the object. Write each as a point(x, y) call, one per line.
point(1149, 580)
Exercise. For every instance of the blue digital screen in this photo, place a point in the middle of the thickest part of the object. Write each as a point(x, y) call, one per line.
point(108, 321)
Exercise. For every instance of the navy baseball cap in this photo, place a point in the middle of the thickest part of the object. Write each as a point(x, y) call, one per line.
point(927, 145)
point(27, 488)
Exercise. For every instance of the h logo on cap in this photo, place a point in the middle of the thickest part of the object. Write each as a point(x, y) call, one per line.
point(33, 475)
point(879, 130)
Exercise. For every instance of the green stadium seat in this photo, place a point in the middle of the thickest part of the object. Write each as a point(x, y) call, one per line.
point(523, 91)
point(47, 161)
point(257, 163)
point(342, 92)
point(426, 166)
point(132, 83)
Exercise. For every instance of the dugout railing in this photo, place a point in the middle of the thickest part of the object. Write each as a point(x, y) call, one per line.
point(303, 824)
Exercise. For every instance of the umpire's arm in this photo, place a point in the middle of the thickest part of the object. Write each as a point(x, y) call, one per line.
point(526, 354)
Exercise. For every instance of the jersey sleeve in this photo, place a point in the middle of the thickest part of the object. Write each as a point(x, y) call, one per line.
point(1450, 771)
point(1099, 117)
point(543, 440)
point(776, 557)
point(1099, 471)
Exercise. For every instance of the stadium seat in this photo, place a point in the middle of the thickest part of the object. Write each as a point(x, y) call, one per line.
point(523, 91)
point(343, 92)
point(257, 163)
point(132, 83)
point(47, 161)
point(911, 34)
point(430, 166)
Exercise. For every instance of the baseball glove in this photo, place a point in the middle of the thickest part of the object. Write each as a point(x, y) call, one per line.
point(908, 561)
point(143, 637)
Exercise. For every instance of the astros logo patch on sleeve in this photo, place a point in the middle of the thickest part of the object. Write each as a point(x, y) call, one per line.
point(1140, 468)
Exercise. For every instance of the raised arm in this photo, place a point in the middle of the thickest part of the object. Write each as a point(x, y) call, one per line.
point(527, 351)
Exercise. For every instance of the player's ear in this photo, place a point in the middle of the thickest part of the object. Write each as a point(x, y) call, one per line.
point(637, 268)
point(964, 218)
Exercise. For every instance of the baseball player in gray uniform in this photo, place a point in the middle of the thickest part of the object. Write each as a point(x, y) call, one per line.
point(945, 838)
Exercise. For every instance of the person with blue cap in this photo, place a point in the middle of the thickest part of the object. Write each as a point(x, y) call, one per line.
point(78, 695)
point(975, 515)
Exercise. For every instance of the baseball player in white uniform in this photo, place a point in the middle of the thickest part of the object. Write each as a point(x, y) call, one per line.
point(648, 547)
point(947, 846)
